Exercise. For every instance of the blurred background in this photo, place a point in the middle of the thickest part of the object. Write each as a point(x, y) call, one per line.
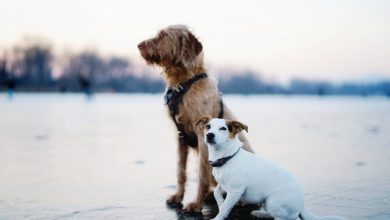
point(84, 132)
point(271, 47)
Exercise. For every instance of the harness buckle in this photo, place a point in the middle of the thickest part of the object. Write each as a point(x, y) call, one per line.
point(179, 88)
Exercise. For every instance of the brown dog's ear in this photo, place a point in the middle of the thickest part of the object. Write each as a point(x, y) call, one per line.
point(236, 127)
point(202, 121)
point(196, 45)
point(191, 48)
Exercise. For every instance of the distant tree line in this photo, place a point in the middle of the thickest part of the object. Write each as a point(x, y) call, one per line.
point(251, 83)
point(29, 68)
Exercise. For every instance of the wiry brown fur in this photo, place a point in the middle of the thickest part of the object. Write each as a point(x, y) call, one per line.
point(179, 53)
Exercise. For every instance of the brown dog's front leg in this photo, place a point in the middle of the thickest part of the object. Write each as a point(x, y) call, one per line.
point(175, 200)
point(204, 179)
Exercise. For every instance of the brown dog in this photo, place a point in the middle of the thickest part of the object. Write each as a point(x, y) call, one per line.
point(190, 95)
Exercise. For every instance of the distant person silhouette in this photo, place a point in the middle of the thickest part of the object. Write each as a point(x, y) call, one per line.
point(63, 89)
point(11, 85)
point(85, 86)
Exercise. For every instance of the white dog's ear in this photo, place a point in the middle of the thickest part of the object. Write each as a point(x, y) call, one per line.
point(201, 122)
point(236, 127)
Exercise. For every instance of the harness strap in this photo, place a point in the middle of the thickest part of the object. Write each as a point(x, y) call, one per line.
point(173, 98)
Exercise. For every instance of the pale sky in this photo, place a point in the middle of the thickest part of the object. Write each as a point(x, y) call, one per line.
point(329, 39)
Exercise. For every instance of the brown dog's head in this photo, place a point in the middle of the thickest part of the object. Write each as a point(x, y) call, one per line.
point(217, 131)
point(173, 47)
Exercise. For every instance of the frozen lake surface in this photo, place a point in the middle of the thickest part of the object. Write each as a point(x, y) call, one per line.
point(114, 157)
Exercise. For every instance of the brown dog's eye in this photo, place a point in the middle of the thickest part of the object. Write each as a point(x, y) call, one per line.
point(207, 127)
point(223, 129)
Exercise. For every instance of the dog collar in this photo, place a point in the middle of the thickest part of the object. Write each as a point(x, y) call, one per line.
point(220, 162)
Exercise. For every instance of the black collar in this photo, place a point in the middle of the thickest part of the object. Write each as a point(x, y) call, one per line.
point(223, 160)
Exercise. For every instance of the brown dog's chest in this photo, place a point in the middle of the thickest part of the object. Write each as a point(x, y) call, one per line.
point(188, 138)
point(185, 107)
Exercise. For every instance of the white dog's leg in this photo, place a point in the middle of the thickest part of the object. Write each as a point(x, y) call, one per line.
point(218, 196)
point(231, 199)
point(284, 204)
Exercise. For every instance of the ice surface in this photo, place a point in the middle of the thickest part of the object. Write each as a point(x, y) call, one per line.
point(114, 157)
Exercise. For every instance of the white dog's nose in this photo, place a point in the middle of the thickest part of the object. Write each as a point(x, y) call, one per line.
point(210, 137)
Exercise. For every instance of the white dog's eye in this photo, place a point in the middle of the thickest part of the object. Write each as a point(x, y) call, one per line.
point(223, 129)
point(207, 127)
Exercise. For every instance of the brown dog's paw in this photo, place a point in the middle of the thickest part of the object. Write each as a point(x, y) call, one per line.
point(240, 204)
point(192, 209)
point(174, 202)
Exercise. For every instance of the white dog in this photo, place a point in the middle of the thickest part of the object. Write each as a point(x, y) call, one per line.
point(248, 177)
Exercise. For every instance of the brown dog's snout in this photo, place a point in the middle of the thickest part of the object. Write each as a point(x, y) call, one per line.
point(141, 45)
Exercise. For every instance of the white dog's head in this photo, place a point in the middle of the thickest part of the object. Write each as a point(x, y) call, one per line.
point(219, 131)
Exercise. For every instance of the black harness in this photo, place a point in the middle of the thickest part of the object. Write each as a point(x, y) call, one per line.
point(220, 162)
point(173, 98)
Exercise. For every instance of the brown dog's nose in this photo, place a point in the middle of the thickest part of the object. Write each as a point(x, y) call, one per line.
point(141, 45)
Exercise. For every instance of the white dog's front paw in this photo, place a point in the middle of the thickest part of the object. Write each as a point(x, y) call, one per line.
point(260, 214)
point(217, 218)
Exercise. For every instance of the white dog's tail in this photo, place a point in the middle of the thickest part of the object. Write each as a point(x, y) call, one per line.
point(305, 215)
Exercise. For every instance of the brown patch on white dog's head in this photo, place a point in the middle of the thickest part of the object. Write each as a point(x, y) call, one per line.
point(202, 122)
point(174, 48)
point(235, 127)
